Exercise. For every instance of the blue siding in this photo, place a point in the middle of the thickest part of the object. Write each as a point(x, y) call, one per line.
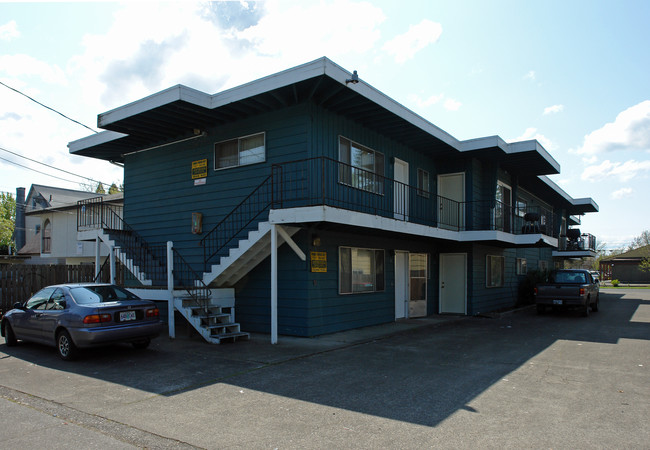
point(161, 195)
point(309, 304)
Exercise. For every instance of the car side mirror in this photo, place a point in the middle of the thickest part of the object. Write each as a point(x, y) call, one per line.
point(19, 305)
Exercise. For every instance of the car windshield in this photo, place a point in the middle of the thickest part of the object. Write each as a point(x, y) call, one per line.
point(568, 278)
point(101, 293)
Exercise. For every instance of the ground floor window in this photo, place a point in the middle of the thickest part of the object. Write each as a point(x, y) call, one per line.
point(522, 269)
point(360, 270)
point(543, 265)
point(418, 268)
point(495, 269)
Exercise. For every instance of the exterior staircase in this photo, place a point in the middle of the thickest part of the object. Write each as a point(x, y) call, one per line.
point(214, 322)
point(243, 257)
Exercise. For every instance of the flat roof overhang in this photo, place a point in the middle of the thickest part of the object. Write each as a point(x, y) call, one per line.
point(179, 112)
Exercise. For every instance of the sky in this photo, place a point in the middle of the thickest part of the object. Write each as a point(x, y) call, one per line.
point(575, 75)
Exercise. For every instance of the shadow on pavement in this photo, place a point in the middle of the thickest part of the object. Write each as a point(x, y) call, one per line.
point(421, 376)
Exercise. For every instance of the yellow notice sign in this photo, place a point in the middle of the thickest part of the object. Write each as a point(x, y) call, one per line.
point(199, 169)
point(318, 261)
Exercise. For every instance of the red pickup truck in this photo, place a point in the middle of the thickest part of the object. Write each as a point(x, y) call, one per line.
point(568, 288)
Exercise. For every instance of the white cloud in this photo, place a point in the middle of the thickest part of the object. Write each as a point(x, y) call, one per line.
point(530, 76)
point(553, 109)
point(9, 31)
point(25, 65)
point(629, 131)
point(405, 46)
point(219, 45)
point(621, 193)
point(531, 133)
point(452, 105)
point(426, 102)
point(623, 171)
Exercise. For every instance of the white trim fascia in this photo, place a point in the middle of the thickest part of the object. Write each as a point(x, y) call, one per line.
point(170, 95)
point(573, 201)
point(93, 140)
point(574, 254)
point(343, 216)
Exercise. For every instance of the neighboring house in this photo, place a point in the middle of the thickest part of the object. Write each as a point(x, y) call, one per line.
point(626, 266)
point(386, 216)
point(51, 226)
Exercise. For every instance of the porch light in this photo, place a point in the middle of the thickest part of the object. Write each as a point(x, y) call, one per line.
point(354, 79)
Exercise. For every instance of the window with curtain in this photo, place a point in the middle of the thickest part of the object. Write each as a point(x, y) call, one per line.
point(361, 167)
point(360, 270)
point(423, 183)
point(46, 237)
point(240, 152)
point(495, 271)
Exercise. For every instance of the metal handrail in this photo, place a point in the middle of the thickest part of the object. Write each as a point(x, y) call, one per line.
point(187, 278)
point(249, 209)
point(94, 213)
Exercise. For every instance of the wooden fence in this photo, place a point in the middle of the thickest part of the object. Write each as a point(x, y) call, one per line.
point(19, 281)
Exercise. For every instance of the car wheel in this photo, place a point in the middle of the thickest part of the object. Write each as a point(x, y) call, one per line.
point(10, 337)
point(64, 345)
point(141, 345)
point(594, 306)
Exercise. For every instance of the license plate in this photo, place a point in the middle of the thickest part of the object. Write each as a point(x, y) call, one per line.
point(557, 302)
point(125, 316)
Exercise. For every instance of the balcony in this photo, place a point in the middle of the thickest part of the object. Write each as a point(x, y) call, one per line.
point(576, 245)
point(324, 182)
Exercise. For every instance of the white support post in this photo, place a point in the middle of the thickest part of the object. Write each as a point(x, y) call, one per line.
point(170, 289)
point(112, 263)
point(98, 262)
point(274, 284)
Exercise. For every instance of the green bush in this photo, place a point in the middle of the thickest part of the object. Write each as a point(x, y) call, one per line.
point(615, 283)
point(527, 286)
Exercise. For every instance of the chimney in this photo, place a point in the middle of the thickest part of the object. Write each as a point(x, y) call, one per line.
point(19, 228)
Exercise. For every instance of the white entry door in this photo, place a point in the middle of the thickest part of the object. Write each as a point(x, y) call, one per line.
point(401, 283)
point(453, 283)
point(401, 190)
point(451, 198)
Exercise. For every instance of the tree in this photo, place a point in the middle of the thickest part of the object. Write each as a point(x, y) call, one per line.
point(642, 242)
point(100, 189)
point(7, 220)
point(113, 189)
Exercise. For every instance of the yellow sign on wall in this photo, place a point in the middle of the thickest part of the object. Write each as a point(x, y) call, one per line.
point(199, 169)
point(318, 261)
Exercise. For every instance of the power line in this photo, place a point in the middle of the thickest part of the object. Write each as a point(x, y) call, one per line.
point(45, 106)
point(38, 171)
point(51, 167)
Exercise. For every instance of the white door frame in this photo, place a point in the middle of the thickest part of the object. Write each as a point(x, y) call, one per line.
point(401, 192)
point(442, 281)
point(461, 215)
point(401, 284)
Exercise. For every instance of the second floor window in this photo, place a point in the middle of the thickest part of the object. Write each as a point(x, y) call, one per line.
point(240, 152)
point(47, 237)
point(361, 167)
point(423, 183)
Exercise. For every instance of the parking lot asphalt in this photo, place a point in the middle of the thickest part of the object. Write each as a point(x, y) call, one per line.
point(509, 381)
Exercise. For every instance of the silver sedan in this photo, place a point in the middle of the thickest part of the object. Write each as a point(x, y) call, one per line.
point(73, 316)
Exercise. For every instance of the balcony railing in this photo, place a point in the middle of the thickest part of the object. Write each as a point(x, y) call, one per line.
point(324, 181)
point(577, 242)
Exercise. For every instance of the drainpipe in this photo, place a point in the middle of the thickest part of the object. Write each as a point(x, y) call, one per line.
point(19, 229)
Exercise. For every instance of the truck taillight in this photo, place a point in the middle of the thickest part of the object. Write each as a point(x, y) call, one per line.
point(153, 312)
point(582, 291)
point(535, 291)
